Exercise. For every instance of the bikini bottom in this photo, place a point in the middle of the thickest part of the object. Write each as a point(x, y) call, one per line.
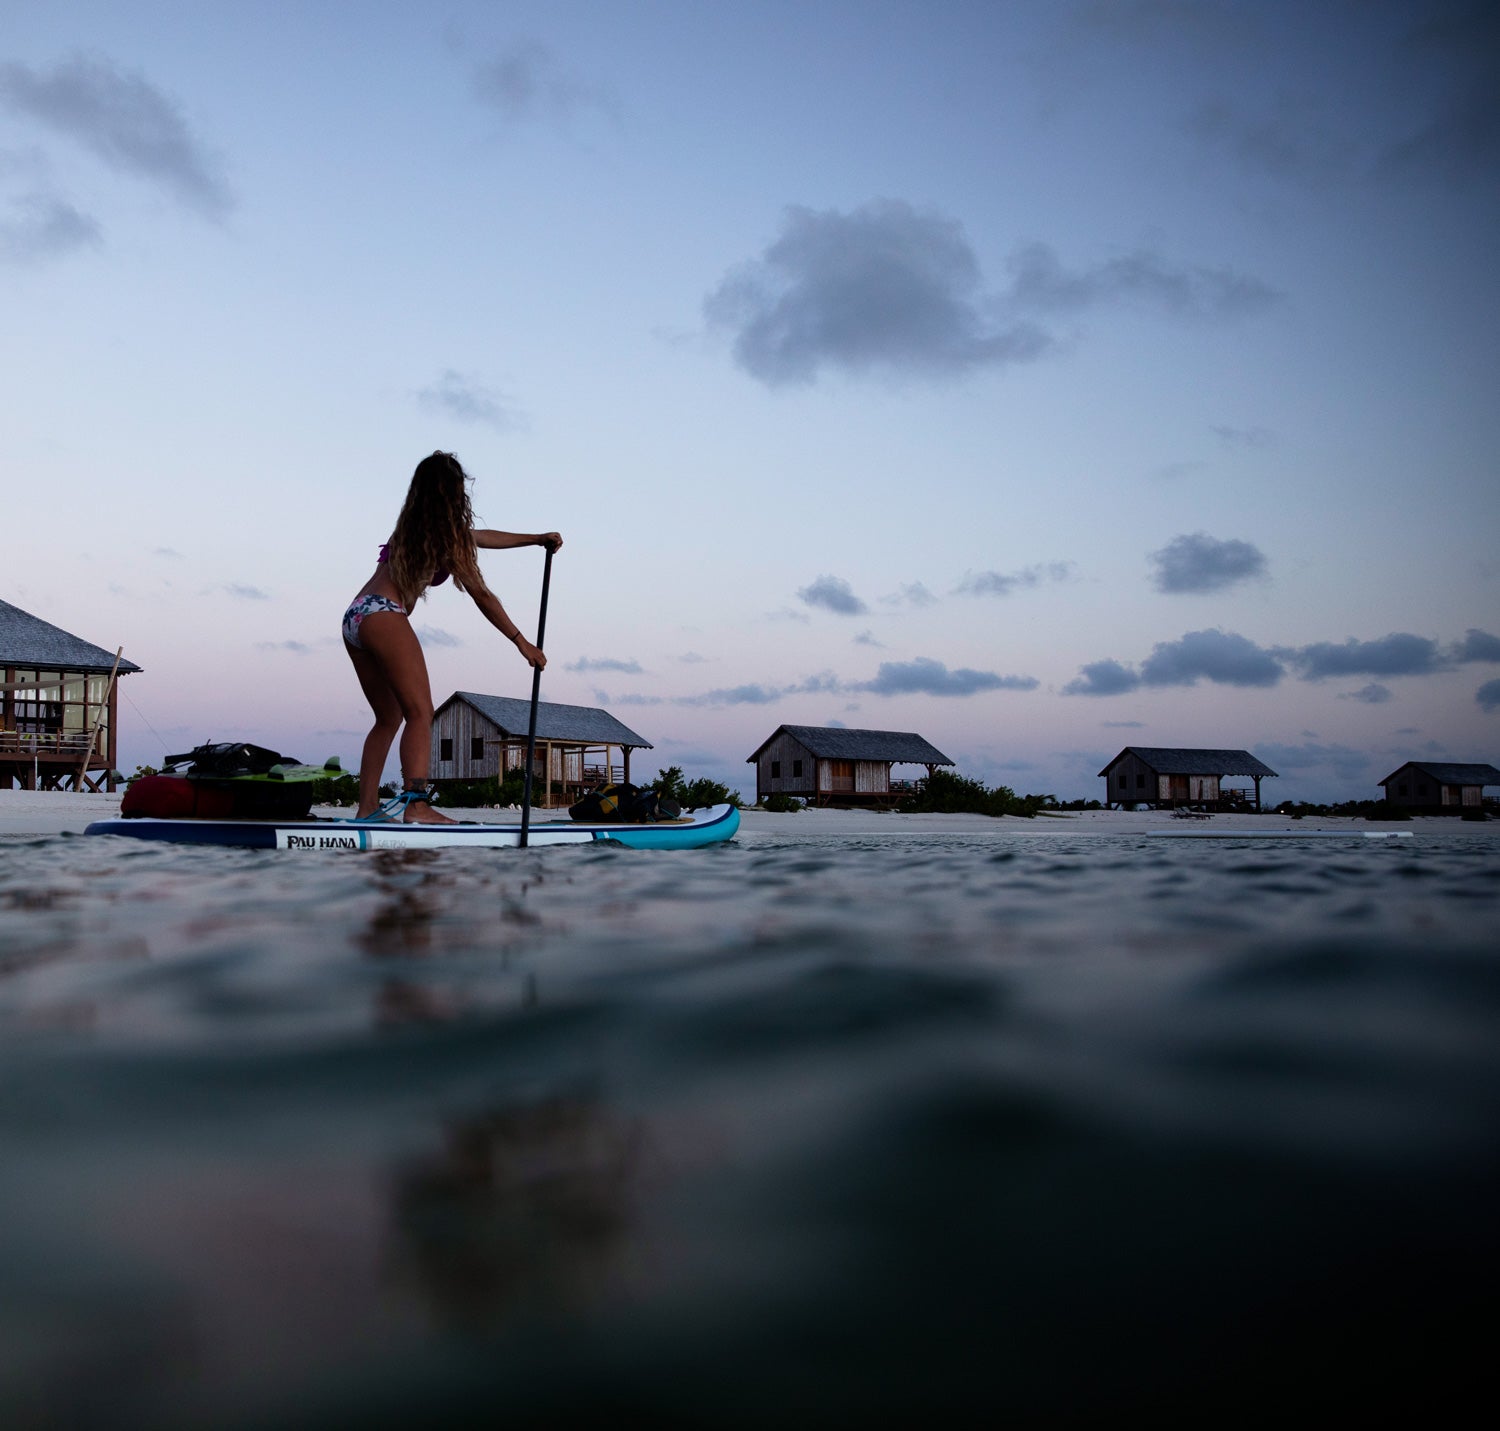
point(361, 607)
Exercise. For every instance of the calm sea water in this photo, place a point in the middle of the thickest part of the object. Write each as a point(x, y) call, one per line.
point(797, 1130)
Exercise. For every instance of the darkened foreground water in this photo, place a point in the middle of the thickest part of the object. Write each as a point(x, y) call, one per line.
point(791, 1131)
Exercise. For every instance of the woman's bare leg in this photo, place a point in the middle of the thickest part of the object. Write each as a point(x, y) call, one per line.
point(377, 745)
point(398, 672)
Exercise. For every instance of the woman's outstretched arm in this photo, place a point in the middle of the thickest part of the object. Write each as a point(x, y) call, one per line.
point(485, 537)
point(493, 612)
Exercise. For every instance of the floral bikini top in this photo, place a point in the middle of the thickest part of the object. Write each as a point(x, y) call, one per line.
point(438, 577)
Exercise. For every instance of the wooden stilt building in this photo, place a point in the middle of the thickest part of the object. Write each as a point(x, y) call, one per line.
point(1173, 778)
point(578, 748)
point(827, 765)
point(1440, 787)
point(58, 700)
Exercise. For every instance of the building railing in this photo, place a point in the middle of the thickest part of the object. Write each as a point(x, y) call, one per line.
point(70, 743)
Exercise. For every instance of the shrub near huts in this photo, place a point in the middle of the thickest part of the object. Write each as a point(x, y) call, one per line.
point(945, 793)
point(693, 794)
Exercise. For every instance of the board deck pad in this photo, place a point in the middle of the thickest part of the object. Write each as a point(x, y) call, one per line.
point(708, 826)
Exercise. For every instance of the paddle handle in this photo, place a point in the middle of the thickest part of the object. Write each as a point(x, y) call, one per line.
point(536, 692)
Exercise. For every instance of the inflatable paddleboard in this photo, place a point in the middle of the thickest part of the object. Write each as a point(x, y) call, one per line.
point(710, 826)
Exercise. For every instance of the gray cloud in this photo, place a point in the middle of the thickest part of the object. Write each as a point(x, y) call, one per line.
point(436, 636)
point(1223, 657)
point(1348, 764)
point(1103, 678)
point(881, 288)
point(1459, 141)
point(1449, 54)
point(1041, 284)
point(45, 227)
point(123, 120)
point(1399, 654)
point(1176, 471)
point(1457, 146)
point(834, 594)
point(924, 676)
point(1476, 646)
point(604, 663)
point(752, 694)
point(1219, 656)
point(755, 694)
point(911, 593)
point(297, 648)
point(867, 638)
point(1230, 659)
point(525, 82)
point(1198, 563)
point(1292, 140)
point(1488, 696)
point(888, 288)
point(996, 583)
point(468, 400)
point(244, 592)
point(1244, 436)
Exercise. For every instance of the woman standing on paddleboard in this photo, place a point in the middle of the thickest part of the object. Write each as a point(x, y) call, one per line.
point(435, 538)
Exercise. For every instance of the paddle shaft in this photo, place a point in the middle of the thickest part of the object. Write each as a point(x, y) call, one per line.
point(536, 692)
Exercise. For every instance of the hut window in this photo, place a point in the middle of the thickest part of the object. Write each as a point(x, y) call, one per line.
point(1140, 782)
point(476, 748)
point(1122, 780)
point(1401, 788)
point(445, 748)
point(775, 770)
point(796, 769)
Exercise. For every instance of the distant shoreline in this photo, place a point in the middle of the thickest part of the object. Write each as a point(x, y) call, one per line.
point(35, 813)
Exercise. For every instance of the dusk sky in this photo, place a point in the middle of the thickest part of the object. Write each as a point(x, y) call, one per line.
point(1043, 378)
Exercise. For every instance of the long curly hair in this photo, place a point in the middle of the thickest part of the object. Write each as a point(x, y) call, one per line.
point(434, 532)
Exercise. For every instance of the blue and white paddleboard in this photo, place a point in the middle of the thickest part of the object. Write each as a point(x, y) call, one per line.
point(710, 826)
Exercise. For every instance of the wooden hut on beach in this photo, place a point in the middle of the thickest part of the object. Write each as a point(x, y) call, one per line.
point(828, 764)
point(58, 697)
point(577, 747)
point(1438, 787)
point(1173, 777)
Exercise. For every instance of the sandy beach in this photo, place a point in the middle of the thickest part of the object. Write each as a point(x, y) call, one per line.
point(32, 813)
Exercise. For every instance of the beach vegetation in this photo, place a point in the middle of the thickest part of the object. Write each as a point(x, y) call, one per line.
point(336, 790)
point(779, 804)
point(672, 784)
point(489, 791)
point(1347, 809)
point(947, 793)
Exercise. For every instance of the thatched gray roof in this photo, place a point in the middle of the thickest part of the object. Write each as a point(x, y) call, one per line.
point(578, 725)
point(1178, 760)
point(30, 642)
point(833, 742)
point(1448, 773)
